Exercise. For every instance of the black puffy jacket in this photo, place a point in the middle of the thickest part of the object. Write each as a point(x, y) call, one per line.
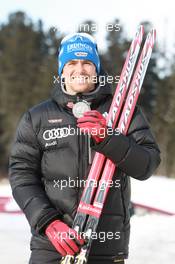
point(44, 155)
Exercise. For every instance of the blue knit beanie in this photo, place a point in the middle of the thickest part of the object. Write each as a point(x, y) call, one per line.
point(78, 46)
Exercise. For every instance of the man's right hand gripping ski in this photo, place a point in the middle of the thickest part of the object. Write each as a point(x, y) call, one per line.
point(65, 239)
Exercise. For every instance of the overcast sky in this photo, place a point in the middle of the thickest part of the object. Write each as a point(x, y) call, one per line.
point(66, 15)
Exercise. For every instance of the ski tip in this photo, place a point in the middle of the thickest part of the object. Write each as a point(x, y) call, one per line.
point(153, 37)
point(154, 33)
point(139, 33)
point(141, 28)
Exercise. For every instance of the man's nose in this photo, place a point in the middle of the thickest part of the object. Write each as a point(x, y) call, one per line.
point(80, 67)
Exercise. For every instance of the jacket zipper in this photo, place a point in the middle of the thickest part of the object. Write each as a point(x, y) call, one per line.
point(84, 157)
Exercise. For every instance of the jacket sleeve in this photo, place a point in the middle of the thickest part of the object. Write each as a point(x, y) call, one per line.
point(136, 154)
point(25, 177)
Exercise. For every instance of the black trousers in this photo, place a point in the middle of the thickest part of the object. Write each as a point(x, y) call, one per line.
point(50, 257)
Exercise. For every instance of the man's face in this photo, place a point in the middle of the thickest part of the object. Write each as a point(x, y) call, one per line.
point(79, 76)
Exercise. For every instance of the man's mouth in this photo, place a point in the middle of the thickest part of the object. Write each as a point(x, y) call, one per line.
point(80, 79)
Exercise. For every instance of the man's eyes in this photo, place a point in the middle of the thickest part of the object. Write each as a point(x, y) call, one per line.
point(71, 63)
point(88, 62)
point(74, 63)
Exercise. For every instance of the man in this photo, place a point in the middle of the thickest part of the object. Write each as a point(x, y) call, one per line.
point(48, 162)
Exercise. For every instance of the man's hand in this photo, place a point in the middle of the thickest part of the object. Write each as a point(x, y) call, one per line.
point(93, 123)
point(65, 239)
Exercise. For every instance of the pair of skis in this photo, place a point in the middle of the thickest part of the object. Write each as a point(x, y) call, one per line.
point(102, 169)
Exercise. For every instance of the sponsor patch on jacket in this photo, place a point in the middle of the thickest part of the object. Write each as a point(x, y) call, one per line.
point(55, 133)
point(53, 121)
point(53, 143)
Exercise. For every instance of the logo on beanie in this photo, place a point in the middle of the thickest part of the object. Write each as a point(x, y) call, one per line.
point(79, 46)
point(81, 54)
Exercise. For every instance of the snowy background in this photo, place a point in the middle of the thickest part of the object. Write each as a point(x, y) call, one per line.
point(152, 232)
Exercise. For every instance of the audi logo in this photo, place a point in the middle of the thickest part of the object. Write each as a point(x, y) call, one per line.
point(56, 133)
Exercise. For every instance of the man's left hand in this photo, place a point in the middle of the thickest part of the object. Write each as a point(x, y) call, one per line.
point(94, 124)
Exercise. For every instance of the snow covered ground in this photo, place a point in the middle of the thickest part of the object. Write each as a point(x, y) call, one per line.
point(157, 192)
point(152, 235)
point(152, 239)
point(14, 239)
